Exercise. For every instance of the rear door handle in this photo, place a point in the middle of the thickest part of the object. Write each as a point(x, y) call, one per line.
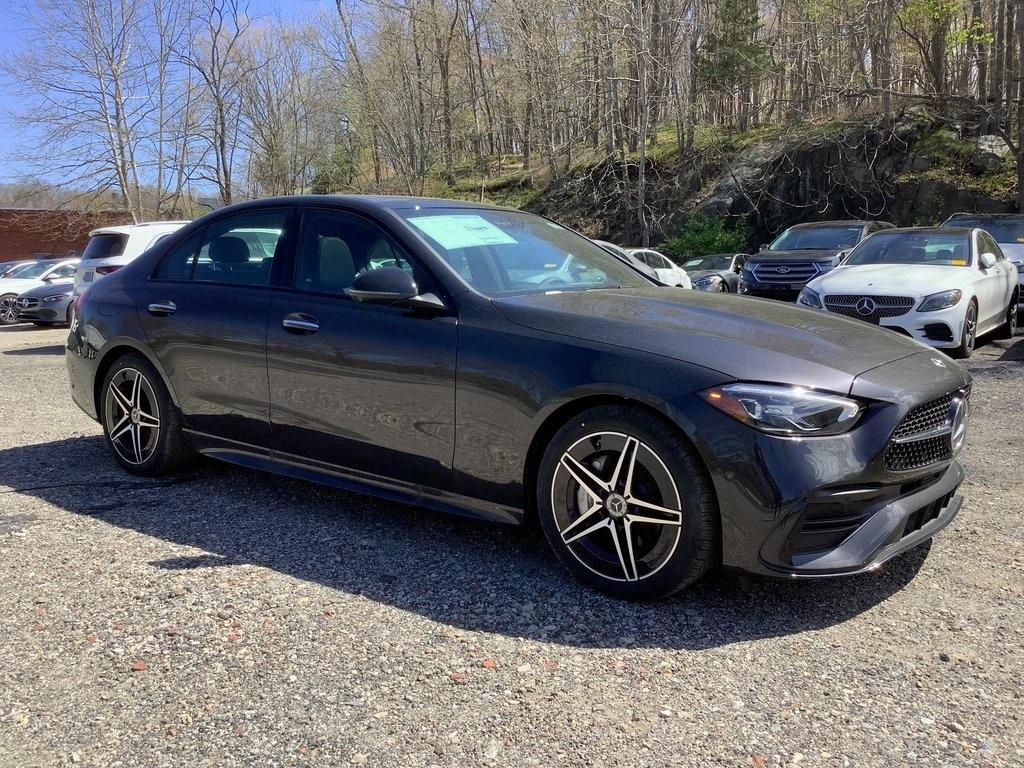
point(298, 322)
point(163, 308)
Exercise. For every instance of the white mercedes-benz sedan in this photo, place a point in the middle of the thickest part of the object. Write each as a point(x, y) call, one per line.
point(944, 287)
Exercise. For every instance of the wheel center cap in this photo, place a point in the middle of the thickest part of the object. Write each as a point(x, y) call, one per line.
point(135, 415)
point(615, 505)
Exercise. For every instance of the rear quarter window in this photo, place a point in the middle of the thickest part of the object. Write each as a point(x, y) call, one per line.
point(104, 246)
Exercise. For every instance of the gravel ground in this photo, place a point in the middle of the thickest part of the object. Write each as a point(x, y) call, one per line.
point(233, 618)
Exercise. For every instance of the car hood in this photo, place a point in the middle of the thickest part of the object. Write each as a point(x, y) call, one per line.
point(743, 338)
point(1013, 251)
point(802, 255)
point(915, 280)
point(15, 285)
point(50, 289)
point(697, 274)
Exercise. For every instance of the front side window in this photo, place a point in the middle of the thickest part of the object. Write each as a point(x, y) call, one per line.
point(935, 248)
point(833, 238)
point(32, 271)
point(989, 245)
point(336, 247)
point(508, 252)
point(238, 249)
point(65, 271)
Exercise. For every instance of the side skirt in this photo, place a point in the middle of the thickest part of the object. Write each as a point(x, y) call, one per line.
point(300, 468)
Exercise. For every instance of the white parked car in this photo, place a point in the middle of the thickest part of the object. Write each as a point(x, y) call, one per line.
point(110, 248)
point(25, 279)
point(667, 270)
point(941, 286)
point(1007, 229)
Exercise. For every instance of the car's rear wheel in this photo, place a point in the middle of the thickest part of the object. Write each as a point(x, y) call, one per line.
point(1009, 327)
point(140, 422)
point(626, 504)
point(8, 309)
point(969, 335)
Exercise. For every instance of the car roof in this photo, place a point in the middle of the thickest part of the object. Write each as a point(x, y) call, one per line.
point(965, 215)
point(836, 223)
point(933, 230)
point(127, 229)
point(369, 202)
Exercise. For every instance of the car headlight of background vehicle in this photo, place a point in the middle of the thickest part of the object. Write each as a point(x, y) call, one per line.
point(55, 297)
point(941, 300)
point(809, 298)
point(707, 282)
point(784, 410)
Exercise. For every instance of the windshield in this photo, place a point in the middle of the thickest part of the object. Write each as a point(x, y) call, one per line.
point(1002, 230)
point(825, 238)
point(938, 248)
point(15, 271)
point(716, 261)
point(507, 252)
point(33, 270)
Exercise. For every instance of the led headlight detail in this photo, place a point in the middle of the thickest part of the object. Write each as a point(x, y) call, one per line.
point(941, 300)
point(57, 297)
point(809, 298)
point(782, 410)
point(704, 283)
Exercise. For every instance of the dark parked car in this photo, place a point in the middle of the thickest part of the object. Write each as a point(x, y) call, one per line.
point(800, 254)
point(404, 347)
point(1007, 229)
point(717, 272)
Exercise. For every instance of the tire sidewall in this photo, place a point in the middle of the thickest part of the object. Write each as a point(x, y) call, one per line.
point(688, 561)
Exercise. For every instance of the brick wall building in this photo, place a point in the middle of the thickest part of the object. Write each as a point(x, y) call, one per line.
point(25, 232)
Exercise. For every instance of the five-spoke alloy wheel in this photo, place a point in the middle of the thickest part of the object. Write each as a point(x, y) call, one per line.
point(139, 420)
point(625, 503)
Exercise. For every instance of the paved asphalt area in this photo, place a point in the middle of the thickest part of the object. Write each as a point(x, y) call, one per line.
point(229, 617)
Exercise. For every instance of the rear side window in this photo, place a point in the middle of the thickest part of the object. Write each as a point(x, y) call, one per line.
point(104, 246)
point(238, 249)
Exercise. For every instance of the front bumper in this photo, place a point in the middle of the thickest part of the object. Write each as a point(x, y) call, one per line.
point(782, 291)
point(942, 329)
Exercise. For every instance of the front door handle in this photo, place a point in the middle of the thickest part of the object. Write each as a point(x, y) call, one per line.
point(298, 322)
point(162, 308)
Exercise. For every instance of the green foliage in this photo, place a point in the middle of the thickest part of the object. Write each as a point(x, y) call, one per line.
point(733, 56)
point(701, 235)
point(333, 173)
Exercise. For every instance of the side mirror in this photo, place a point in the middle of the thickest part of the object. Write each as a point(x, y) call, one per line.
point(987, 260)
point(763, 247)
point(392, 285)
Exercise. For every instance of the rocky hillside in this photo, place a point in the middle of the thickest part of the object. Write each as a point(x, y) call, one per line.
point(915, 169)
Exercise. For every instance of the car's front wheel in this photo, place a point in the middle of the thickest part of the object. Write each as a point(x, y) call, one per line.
point(140, 421)
point(8, 309)
point(626, 504)
point(969, 334)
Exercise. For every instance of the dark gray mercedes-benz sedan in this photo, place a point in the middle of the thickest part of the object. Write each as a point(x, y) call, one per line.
point(493, 363)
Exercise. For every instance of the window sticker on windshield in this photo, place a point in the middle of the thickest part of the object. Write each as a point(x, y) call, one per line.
point(461, 231)
point(1020, 239)
point(958, 262)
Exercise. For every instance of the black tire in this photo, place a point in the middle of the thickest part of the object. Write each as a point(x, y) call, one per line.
point(969, 335)
point(1009, 327)
point(158, 454)
point(663, 557)
point(8, 312)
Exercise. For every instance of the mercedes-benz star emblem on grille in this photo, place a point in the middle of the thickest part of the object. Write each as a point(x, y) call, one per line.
point(865, 306)
point(782, 270)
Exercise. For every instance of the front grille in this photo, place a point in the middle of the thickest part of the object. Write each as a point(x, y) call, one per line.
point(924, 436)
point(870, 308)
point(27, 303)
point(786, 272)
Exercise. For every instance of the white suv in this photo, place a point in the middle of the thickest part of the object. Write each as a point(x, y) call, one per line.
point(110, 248)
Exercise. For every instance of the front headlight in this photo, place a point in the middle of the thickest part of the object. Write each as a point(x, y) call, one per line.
point(809, 298)
point(941, 300)
point(783, 410)
point(708, 282)
point(56, 297)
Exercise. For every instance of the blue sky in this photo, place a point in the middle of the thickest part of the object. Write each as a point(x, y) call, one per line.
point(11, 143)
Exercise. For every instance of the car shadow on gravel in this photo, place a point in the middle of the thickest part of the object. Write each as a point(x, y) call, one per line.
point(464, 573)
